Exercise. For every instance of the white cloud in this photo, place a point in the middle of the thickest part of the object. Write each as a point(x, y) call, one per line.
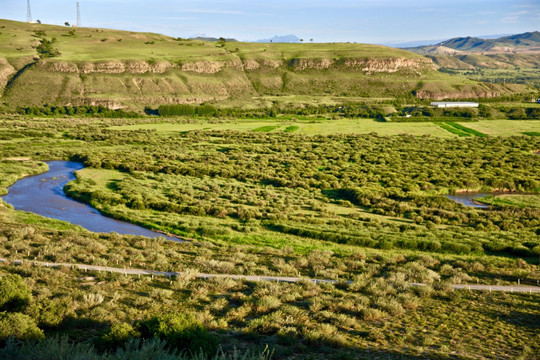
point(510, 19)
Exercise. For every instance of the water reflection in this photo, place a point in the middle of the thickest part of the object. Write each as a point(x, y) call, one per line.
point(44, 195)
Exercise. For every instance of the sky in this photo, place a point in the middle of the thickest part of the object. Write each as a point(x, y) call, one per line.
point(362, 21)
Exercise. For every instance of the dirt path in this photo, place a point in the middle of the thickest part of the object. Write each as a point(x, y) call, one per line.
point(125, 271)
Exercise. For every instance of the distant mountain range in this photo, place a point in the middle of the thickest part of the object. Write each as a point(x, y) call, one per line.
point(275, 39)
point(526, 42)
point(205, 38)
point(417, 43)
point(281, 39)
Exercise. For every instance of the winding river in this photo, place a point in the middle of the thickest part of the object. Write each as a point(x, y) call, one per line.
point(44, 195)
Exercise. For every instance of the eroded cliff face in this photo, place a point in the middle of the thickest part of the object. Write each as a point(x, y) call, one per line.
point(477, 92)
point(135, 84)
point(390, 65)
point(6, 72)
point(109, 67)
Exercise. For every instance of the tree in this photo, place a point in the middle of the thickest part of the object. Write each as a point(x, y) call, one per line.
point(38, 21)
point(67, 23)
point(45, 49)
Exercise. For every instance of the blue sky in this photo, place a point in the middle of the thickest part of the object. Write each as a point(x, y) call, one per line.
point(363, 21)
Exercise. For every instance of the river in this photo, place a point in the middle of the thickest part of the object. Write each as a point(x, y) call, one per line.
point(468, 199)
point(44, 195)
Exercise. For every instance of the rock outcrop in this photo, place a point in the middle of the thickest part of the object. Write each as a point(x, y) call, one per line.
point(6, 72)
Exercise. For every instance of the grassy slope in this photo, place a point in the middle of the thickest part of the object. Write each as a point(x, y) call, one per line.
point(532, 201)
point(236, 73)
point(87, 45)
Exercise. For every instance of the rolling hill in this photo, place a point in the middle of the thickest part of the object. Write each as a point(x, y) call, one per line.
point(119, 69)
point(507, 59)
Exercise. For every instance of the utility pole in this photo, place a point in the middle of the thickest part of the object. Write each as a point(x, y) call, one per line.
point(28, 12)
point(78, 14)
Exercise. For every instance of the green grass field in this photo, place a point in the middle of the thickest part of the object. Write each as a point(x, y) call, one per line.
point(513, 200)
point(504, 127)
point(347, 126)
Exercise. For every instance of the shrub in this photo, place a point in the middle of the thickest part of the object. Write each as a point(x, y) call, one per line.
point(267, 303)
point(119, 334)
point(50, 313)
point(19, 326)
point(370, 314)
point(182, 331)
point(91, 300)
point(14, 295)
point(324, 333)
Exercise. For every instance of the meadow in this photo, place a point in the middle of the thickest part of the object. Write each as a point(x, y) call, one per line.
point(339, 199)
point(323, 126)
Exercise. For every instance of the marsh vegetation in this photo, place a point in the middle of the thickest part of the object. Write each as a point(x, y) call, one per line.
point(367, 210)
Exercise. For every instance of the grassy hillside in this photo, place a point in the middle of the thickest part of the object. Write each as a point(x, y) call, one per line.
point(126, 69)
point(526, 42)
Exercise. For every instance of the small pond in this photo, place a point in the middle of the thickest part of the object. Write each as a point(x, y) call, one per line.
point(469, 199)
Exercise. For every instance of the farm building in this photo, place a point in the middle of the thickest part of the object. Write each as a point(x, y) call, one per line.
point(445, 104)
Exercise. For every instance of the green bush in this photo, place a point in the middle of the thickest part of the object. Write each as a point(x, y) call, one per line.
point(50, 313)
point(120, 334)
point(182, 331)
point(14, 295)
point(19, 326)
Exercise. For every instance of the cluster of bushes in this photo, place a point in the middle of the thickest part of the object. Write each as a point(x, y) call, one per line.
point(521, 113)
point(428, 113)
point(45, 48)
point(153, 349)
point(354, 110)
point(291, 174)
point(348, 110)
point(188, 110)
point(14, 299)
point(169, 336)
point(180, 331)
point(217, 184)
point(83, 110)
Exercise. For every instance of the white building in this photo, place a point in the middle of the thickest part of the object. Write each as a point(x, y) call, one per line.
point(445, 104)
